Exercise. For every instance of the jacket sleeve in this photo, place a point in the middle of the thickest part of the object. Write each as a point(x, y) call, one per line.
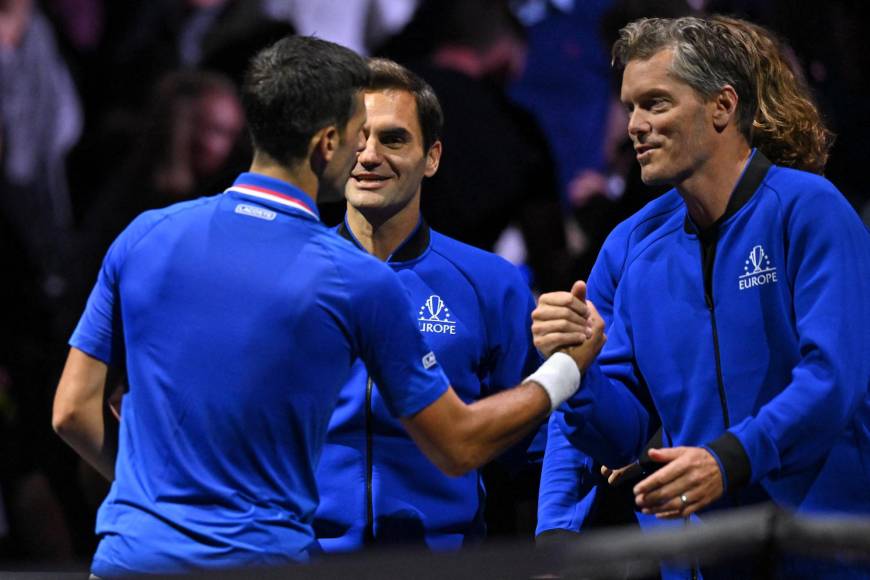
point(828, 269)
point(567, 490)
point(606, 418)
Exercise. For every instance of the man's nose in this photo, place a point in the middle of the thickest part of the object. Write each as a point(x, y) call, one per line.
point(638, 124)
point(368, 154)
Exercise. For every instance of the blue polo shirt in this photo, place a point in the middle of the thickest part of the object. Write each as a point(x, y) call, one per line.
point(239, 317)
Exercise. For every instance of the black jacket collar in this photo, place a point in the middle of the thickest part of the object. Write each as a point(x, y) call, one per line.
point(749, 182)
point(412, 248)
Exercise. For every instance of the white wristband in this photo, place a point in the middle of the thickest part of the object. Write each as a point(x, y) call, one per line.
point(559, 376)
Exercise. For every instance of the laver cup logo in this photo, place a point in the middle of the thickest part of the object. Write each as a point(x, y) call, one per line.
point(434, 316)
point(757, 270)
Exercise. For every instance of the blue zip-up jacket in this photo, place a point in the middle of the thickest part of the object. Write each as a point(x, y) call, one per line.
point(567, 492)
point(375, 486)
point(752, 338)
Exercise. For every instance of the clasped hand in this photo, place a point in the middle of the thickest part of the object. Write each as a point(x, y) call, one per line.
point(567, 322)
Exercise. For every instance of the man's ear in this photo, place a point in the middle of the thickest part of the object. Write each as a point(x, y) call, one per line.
point(322, 146)
point(326, 141)
point(725, 108)
point(433, 159)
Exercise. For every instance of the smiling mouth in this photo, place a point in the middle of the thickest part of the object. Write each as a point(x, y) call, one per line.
point(643, 153)
point(370, 181)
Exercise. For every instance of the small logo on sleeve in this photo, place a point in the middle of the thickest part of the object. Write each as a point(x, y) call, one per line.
point(429, 360)
point(254, 211)
point(434, 316)
point(757, 270)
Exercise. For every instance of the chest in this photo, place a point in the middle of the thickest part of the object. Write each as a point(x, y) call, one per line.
point(450, 318)
point(684, 311)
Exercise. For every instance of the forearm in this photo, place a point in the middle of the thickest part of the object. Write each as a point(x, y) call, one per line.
point(495, 423)
point(85, 431)
point(459, 437)
point(472, 435)
point(80, 416)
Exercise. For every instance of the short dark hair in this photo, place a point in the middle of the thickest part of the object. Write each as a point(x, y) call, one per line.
point(389, 75)
point(296, 87)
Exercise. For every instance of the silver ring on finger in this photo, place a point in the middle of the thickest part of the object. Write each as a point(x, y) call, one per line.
point(685, 499)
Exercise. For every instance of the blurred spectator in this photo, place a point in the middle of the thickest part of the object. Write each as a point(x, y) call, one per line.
point(232, 54)
point(497, 169)
point(359, 25)
point(189, 146)
point(41, 120)
point(164, 35)
point(140, 43)
point(567, 81)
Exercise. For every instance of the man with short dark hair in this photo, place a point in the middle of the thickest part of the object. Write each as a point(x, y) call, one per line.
point(239, 317)
point(472, 307)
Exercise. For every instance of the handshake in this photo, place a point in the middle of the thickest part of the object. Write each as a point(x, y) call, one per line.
point(567, 322)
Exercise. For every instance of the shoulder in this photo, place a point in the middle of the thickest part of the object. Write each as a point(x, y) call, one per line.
point(793, 186)
point(146, 222)
point(655, 217)
point(655, 220)
point(360, 270)
point(807, 197)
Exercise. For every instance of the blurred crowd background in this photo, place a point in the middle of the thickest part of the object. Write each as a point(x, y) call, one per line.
point(108, 109)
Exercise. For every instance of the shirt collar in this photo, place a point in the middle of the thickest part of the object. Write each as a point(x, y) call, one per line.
point(274, 193)
point(413, 246)
point(753, 174)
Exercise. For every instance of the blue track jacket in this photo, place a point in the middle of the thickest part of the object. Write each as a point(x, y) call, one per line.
point(752, 338)
point(375, 485)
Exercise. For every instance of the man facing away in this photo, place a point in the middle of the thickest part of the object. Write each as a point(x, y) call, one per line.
point(239, 317)
point(473, 308)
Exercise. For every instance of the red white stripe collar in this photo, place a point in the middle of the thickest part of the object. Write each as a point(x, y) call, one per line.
point(273, 196)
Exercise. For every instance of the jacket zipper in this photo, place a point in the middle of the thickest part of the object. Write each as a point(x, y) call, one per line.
point(369, 534)
point(708, 257)
point(708, 254)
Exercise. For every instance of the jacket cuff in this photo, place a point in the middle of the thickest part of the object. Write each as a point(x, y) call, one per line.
point(733, 461)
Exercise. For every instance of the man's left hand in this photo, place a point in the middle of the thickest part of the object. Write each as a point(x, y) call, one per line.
point(688, 482)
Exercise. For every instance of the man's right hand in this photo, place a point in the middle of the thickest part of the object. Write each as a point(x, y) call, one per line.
point(584, 354)
point(561, 320)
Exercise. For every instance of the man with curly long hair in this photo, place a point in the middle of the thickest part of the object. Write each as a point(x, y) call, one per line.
point(735, 300)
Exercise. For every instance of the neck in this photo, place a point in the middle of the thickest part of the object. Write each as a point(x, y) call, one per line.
point(299, 175)
point(707, 192)
point(380, 236)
